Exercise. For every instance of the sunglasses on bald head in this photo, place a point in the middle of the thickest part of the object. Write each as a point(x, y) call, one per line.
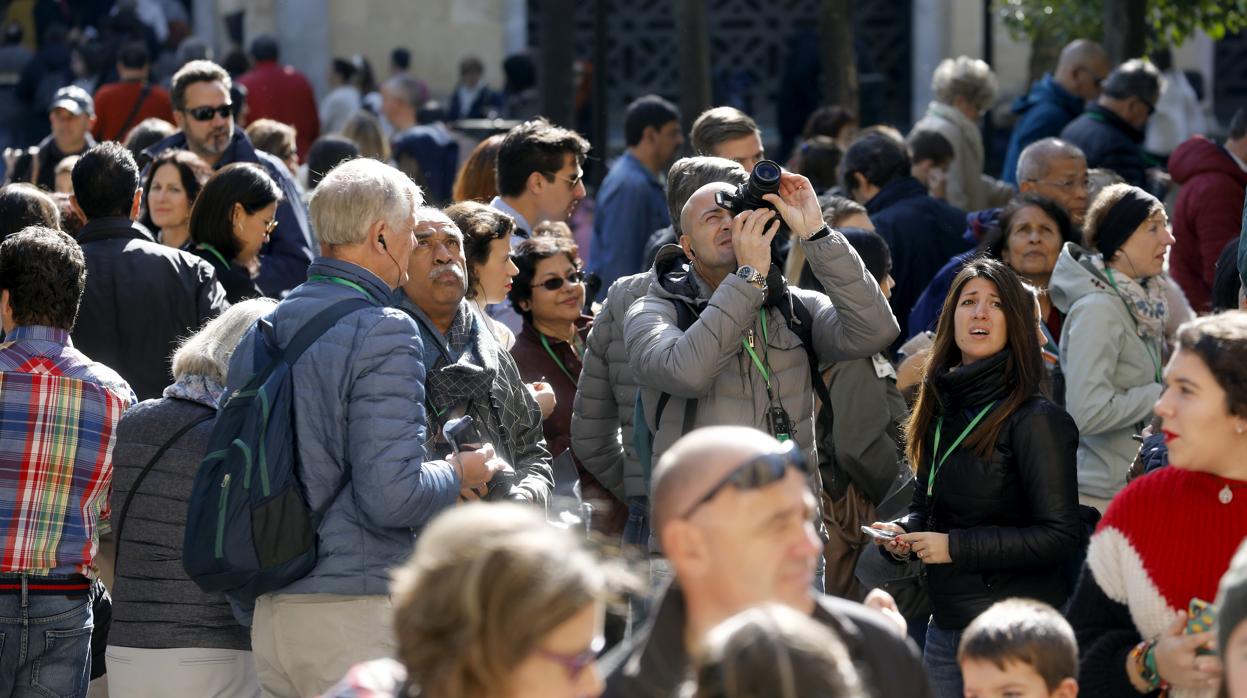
point(756, 473)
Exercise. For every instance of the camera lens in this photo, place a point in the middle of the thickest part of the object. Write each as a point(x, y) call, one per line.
point(766, 173)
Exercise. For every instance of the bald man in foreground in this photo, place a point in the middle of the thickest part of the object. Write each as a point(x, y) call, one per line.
point(734, 512)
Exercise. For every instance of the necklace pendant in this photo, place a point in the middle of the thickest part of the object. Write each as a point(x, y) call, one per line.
point(1226, 495)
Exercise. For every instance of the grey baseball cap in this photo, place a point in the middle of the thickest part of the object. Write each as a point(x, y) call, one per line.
point(73, 99)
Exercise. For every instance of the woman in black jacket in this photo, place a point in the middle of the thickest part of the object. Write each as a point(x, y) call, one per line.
point(995, 508)
point(232, 219)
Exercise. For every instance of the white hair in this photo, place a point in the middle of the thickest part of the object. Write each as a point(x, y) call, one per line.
point(1036, 158)
point(358, 193)
point(208, 351)
point(965, 77)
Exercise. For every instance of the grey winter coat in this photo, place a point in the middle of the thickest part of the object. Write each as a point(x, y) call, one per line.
point(709, 362)
point(359, 414)
point(606, 396)
point(1110, 372)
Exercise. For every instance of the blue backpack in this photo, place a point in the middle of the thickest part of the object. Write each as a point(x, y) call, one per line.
point(249, 529)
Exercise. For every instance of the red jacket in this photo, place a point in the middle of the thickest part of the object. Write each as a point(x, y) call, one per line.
point(115, 101)
point(1207, 216)
point(281, 93)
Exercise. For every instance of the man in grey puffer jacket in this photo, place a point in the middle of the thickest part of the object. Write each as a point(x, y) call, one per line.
point(606, 396)
point(739, 359)
point(359, 418)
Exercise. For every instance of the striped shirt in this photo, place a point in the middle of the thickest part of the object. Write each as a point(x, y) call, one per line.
point(58, 419)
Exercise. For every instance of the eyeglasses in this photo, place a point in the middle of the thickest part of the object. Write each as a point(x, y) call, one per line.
point(1083, 184)
point(206, 113)
point(270, 226)
point(757, 473)
point(1151, 108)
point(573, 180)
point(557, 282)
point(576, 663)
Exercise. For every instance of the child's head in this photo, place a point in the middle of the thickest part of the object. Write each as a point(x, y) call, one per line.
point(1019, 648)
point(929, 150)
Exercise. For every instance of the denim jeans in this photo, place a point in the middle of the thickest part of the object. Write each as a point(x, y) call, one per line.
point(939, 657)
point(45, 645)
point(636, 530)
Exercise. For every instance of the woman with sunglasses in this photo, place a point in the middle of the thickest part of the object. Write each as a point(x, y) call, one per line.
point(495, 602)
point(549, 293)
point(995, 507)
point(232, 219)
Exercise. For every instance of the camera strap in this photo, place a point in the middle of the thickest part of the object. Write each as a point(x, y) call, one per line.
point(762, 364)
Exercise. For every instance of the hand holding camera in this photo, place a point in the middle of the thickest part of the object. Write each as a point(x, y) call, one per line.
point(752, 232)
point(790, 195)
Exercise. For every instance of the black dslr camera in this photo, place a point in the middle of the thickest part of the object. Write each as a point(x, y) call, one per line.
point(748, 197)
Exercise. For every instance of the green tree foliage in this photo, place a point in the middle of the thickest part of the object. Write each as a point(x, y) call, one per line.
point(1171, 21)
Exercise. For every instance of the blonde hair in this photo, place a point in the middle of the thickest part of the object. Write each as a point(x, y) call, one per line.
point(364, 130)
point(358, 193)
point(486, 584)
point(208, 351)
point(965, 77)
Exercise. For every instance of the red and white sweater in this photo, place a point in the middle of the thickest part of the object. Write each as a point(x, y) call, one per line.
point(1165, 540)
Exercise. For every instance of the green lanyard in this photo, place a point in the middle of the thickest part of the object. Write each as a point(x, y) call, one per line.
point(766, 375)
point(343, 282)
point(1155, 361)
point(935, 452)
point(215, 252)
point(554, 356)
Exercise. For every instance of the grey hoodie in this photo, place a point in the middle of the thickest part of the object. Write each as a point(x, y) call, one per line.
point(1110, 372)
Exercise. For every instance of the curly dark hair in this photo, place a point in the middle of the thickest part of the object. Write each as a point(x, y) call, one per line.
point(44, 272)
point(1221, 342)
point(527, 255)
point(480, 225)
point(535, 146)
point(997, 238)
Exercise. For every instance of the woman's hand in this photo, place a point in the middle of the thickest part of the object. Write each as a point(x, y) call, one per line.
point(931, 548)
point(1176, 661)
point(543, 393)
point(894, 545)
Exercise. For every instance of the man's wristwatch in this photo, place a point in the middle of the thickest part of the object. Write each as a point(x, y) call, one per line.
point(752, 276)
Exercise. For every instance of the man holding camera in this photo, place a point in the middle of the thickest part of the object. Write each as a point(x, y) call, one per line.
point(740, 359)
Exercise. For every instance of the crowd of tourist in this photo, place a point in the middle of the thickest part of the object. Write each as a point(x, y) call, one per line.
point(349, 403)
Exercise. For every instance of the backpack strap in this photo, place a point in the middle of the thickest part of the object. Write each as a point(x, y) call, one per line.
point(160, 452)
point(134, 111)
point(320, 324)
point(801, 322)
point(685, 316)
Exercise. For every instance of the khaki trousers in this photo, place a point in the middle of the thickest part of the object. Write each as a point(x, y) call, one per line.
point(304, 643)
point(187, 672)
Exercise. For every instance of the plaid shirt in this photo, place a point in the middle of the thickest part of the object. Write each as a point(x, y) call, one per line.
point(58, 419)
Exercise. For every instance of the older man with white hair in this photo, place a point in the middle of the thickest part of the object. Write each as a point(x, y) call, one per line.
point(359, 426)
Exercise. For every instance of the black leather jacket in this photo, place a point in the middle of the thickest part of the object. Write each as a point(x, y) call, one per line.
point(1012, 518)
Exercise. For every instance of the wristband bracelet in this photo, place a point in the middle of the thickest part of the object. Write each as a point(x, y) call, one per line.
point(820, 233)
point(1143, 656)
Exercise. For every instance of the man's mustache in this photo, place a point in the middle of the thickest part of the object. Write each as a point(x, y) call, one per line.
point(444, 270)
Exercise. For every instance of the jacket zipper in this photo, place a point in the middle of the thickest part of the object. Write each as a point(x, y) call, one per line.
point(222, 501)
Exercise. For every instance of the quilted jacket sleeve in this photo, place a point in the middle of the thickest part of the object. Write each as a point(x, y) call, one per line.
point(853, 320)
point(685, 364)
point(393, 484)
point(595, 415)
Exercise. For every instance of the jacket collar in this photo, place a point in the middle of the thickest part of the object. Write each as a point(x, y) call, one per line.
point(659, 661)
point(39, 333)
point(113, 227)
point(377, 290)
point(1095, 112)
point(979, 383)
point(894, 191)
point(1048, 90)
point(239, 149)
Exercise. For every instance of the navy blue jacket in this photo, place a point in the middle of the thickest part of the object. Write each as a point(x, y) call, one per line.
point(284, 259)
point(922, 232)
point(1042, 113)
point(1109, 142)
